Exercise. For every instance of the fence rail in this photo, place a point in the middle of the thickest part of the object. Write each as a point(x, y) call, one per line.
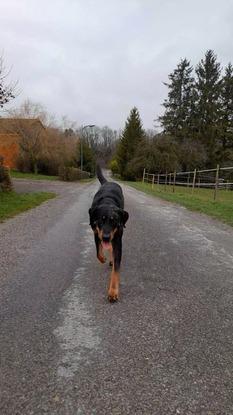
point(216, 179)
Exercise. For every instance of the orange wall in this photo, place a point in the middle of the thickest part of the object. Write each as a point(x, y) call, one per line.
point(9, 149)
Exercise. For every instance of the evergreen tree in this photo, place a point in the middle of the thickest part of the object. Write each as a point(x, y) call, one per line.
point(227, 110)
point(178, 107)
point(208, 87)
point(130, 140)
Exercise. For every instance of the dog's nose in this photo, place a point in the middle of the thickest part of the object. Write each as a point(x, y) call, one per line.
point(106, 237)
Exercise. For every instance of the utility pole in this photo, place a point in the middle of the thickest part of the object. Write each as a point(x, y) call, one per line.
point(81, 145)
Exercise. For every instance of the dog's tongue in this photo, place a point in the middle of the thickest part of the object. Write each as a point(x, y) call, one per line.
point(106, 245)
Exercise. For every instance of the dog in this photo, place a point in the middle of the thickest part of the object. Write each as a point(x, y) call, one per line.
point(107, 220)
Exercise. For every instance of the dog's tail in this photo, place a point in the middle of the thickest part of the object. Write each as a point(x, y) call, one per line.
point(100, 174)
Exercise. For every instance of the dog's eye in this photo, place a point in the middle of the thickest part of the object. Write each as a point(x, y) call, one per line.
point(112, 220)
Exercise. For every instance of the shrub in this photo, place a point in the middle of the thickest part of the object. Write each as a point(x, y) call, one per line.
point(5, 179)
point(114, 167)
point(71, 174)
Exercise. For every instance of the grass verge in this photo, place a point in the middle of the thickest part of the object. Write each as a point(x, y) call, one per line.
point(201, 200)
point(13, 203)
point(33, 176)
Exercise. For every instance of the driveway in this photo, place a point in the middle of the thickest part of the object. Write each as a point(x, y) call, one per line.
point(164, 348)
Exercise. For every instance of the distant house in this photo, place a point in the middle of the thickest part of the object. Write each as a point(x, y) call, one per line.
point(12, 132)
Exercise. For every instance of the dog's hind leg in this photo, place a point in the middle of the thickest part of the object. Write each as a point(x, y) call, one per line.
point(113, 291)
point(99, 250)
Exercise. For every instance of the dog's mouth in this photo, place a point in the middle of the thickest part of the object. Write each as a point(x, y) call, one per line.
point(106, 245)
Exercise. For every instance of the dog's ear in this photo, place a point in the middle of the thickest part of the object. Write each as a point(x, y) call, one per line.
point(124, 216)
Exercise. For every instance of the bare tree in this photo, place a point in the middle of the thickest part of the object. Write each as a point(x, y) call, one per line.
point(28, 121)
point(67, 125)
point(31, 109)
point(6, 90)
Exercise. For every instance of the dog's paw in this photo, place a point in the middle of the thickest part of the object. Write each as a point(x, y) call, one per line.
point(113, 295)
point(102, 259)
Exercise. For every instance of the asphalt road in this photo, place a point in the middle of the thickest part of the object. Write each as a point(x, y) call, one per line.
point(165, 348)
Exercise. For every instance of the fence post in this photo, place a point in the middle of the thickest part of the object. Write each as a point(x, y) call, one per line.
point(166, 181)
point(143, 178)
point(174, 182)
point(153, 181)
point(188, 179)
point(170, 179)
point(194, 179)
point(216, 182)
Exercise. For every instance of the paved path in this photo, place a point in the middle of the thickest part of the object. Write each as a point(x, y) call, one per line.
point(164, 348)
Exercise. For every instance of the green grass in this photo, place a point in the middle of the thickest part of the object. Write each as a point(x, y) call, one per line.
point(13, 203)
point(90, 180)
point(33, 176)
point(201, 200)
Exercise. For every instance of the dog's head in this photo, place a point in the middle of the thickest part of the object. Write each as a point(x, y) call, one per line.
point(106, 221)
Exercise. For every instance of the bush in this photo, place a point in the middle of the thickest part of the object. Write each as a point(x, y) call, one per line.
point(114, 167)
point(71, 174)
point(5, 179)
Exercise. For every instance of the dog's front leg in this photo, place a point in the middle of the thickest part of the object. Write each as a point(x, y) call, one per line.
point(99, 250)
point(113, 291)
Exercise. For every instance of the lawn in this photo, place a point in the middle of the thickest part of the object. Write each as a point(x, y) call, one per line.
point(33, 176)
point(13, 203)
point(201, 200)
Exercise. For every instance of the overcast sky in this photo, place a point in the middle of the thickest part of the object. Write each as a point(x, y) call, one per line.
point(93, 60)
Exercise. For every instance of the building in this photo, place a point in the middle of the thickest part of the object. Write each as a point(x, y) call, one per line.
point(12, 132)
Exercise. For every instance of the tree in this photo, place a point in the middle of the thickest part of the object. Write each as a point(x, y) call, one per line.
point(226, 137)
point(31, 140)
point(5, 178)
point(107, 144)
point(32, 110)
point(26, 121)
point(176, 120)
point(6, 90)
point(130, 141)
point(208, 87)
point(88, 157)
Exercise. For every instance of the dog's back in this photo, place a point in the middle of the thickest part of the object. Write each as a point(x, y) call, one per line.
point(109, 192)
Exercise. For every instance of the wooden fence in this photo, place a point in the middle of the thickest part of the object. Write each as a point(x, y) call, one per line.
point(216, 179)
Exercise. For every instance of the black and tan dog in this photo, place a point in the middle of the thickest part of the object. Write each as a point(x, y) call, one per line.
point(107, 219)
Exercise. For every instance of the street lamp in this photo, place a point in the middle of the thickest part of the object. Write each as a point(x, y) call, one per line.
point(81, 144)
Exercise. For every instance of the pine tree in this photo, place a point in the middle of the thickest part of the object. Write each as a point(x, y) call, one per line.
point(208, 87)
point(130, 141)
point(227, 109)
point(176, 120)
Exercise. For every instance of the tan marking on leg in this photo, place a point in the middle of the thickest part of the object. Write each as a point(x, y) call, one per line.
point(101, 256)
point(113, 291)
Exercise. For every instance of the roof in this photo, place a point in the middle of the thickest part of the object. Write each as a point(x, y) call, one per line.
point(9, 125)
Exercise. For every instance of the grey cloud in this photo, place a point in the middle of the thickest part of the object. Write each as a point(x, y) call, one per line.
point(94, 60)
